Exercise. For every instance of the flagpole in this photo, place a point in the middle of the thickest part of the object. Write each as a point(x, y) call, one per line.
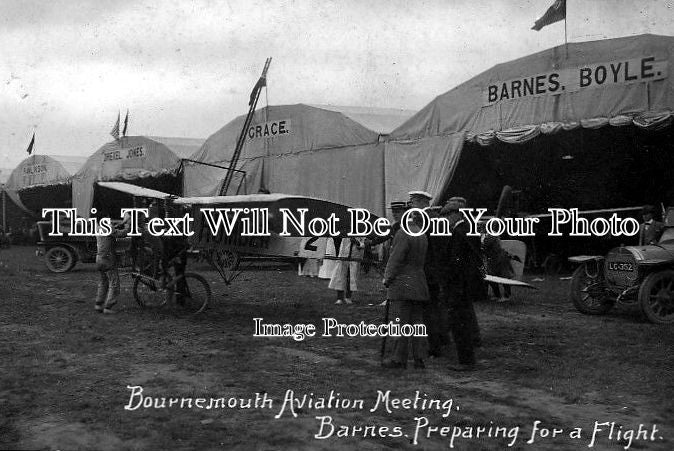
point(566, 41)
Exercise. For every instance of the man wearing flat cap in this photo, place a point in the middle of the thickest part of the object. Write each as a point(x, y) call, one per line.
point(463, 282)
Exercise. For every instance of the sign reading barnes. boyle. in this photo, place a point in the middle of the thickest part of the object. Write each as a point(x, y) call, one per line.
point(574, 79)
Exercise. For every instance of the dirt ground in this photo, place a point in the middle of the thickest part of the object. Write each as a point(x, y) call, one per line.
point(66, 370)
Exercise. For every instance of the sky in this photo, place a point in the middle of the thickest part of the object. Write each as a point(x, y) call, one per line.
point(184, 68)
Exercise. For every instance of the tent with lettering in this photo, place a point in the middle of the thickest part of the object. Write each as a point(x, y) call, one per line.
point(151, 162)
point(39, 181)
point(295, 149)
point(584, 123)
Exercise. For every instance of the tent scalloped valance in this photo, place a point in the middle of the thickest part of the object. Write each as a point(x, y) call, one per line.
point(646, 121)
point(141, 173)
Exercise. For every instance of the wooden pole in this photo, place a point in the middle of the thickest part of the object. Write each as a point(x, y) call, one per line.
point(4, 211)
point(566, 41)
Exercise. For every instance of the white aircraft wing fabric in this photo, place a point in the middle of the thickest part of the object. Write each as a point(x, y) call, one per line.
point(511, 282)
point(135, 190)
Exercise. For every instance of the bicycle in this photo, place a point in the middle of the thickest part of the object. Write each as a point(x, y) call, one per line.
point(155, 287)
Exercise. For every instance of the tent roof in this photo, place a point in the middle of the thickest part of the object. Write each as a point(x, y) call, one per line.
point(381, 120)
point(155, 158)
point(304, 128)
point(182, 147)
point(71, 163)
point(467, 108)
point(43, 170)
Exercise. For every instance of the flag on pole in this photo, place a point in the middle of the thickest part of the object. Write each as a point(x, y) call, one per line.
point(262, 82)
point(115, 130)
point(30, 146)
point(126, 123)
point(555, 13)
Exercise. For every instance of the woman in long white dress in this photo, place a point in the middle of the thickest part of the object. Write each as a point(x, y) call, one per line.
point(344, 277)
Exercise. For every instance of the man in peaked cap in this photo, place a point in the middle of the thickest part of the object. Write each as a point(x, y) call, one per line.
point(419, 199)
point(453, 205)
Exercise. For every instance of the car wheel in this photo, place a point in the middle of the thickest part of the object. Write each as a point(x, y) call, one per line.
point(656, 297)
point(59, 259)
point(587, 292)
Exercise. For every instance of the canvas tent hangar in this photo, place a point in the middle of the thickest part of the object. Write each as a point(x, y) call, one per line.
point(296, 149)
point(149, 162)
point(380, 120)
point(582, 86)
point(41, 181)
point(37, 182)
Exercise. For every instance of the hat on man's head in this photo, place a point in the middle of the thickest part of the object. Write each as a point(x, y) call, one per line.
point(454, 204)
point(398, 205)
point(420, 194)
point(648, 210)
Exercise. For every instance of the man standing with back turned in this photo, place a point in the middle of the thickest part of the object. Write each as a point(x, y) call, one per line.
point(463, 284)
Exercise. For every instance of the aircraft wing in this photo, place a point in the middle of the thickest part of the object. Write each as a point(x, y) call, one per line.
point(283, 210)
point(134, 190)
point(511, 282)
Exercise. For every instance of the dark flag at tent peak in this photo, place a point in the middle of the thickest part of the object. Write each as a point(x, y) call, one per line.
point(261, 83)
point(30, 146)
point(555, 13)
point(126, 123)
point(115, 130)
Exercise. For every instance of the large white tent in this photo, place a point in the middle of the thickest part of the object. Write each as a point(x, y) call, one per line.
point(587, 85)
point(51, 172)
point(39, 181)
point(136, 159)
point(295, 149)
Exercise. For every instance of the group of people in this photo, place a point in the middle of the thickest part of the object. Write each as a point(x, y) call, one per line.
point(162, 253)
point(434, 280)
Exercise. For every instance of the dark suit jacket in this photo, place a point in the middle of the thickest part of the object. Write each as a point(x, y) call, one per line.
point(650, 234)
point(464, 278)
point(404, 276)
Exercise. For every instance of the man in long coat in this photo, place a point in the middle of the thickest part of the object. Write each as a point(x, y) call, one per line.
point(407, 291)
point(463, 284)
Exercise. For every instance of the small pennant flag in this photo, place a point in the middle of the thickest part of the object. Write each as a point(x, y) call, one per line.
point(126, 123)
point(30, 146)
point(115, 130)
point(555, 13)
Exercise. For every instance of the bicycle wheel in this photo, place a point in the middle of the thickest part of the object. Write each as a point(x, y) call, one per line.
point(148, 292)
point(197, 294)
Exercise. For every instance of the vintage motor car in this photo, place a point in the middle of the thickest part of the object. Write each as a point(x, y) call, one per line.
point(61, 253)
point(632, 276)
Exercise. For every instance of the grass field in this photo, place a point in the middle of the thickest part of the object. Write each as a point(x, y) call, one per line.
point(66, 368)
